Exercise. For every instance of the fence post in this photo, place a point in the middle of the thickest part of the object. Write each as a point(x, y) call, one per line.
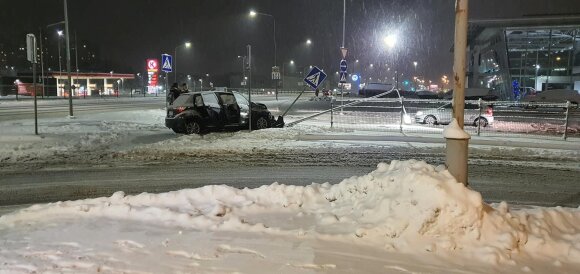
point(402, 114)
point(567, 118)
point(479, 118)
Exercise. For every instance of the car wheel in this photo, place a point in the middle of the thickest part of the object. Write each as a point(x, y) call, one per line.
point(481, 120)
point(192, 127)
point(430, 120)
point(261, 123)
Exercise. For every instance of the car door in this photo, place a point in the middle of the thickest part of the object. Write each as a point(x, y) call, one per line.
point(202, 110)
point(244, 107)
point(471, 113)
point(231, 108)
point(214, 109)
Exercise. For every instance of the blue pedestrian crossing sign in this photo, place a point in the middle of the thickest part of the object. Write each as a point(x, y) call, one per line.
point(343, 76)
point(315, 77)
point(166, 63)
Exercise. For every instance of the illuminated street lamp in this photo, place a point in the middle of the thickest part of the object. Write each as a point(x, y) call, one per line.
point(391, 40)
point(60, 34)
point(253, 14)
point(186, 45)
point(308, 42)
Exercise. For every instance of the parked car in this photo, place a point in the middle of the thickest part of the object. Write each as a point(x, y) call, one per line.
point(554, 96)
point(372, 89)
point(474, 94)
point(444, 115)
point(196, 112)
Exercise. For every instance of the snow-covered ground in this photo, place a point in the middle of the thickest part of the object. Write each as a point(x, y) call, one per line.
point(404, 217)
point(141, 134)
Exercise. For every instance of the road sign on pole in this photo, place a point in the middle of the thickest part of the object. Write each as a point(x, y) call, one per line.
point(343, 76)
point(343, 51)
point(343, 65)
point(31, 48)
point(166, 63)
point(275, 73)
point(315, 77)
point(31, 56)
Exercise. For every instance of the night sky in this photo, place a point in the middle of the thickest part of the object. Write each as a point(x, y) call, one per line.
point(125, 33)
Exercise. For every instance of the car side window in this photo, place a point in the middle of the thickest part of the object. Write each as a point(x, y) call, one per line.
point(198, 101)
point(210, 100)
point(227, 99)
point(241, 99)
point(471, 106)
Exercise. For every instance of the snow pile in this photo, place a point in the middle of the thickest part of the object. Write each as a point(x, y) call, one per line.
point(405, 206)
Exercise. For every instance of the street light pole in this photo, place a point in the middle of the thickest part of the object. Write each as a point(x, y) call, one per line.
point(59, 58)
point(187, 45)
point(253, 14)
point(70, 105)
point(41, 62)
point(457, 140)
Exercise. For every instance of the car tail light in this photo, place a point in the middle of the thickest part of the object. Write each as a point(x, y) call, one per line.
point(489, 111)
point(179, 110)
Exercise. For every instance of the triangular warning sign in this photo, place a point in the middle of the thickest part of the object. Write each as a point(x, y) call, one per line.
point(167, 64)
point(314, 78)
point(343, 77)
point(343, 51)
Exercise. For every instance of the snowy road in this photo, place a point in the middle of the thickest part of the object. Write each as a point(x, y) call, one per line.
point(509, 181)
point(14, 110)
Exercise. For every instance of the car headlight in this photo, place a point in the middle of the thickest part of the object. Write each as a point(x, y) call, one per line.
point(419, 113)
point(407, 119)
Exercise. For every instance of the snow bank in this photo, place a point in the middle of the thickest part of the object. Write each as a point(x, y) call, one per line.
point(406, 206)
point(64, 136)
point(273, 139)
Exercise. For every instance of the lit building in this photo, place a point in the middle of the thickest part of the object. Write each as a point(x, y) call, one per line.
point(515, 56)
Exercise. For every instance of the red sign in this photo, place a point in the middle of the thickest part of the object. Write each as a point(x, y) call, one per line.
point(152, 65)
point(152, 69)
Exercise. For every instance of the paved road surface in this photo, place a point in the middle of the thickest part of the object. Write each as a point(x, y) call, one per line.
point(59, 107)
point(517, 184)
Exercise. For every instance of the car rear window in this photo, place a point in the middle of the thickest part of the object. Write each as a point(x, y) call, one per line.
point(184, 100)
point(210, 100)
point(471, 106)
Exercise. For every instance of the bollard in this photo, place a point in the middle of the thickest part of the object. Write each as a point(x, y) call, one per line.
point(331, 113)
point(567, 119)
point(457, 143)
point(479, 118)
point(402, 115)
point(456, 158)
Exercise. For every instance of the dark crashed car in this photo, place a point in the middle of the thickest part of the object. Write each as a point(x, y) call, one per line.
point(198, 112)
